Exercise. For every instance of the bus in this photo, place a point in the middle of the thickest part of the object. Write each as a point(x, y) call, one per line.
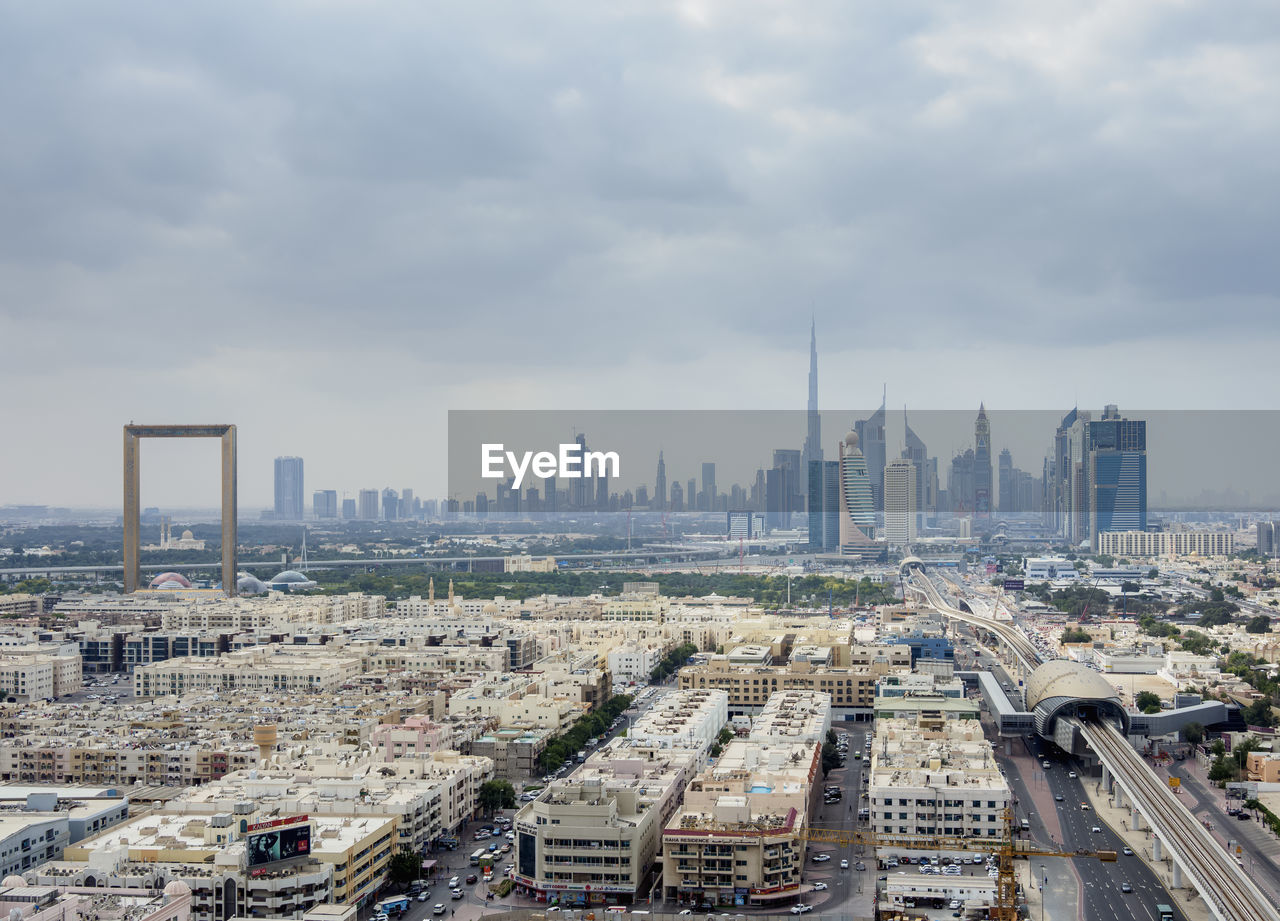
point(396, 905)
point(475, 857)
point(1164, 913)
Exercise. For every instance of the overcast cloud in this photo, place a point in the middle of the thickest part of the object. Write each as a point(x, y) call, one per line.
point(330, 222)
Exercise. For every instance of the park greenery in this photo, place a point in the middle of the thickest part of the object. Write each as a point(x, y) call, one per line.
point(1147, 702)
point(561, 748)
point(1075, 635)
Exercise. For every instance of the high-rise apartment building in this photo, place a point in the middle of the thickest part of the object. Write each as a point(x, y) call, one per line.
point(677, 497)
point(288, 483)
point(900, 502)
point(348, 509)
point(691, 494)
point(707, 499)
point(390, 504)
point(1267, 538)
point(324, 503)
point(368, 509)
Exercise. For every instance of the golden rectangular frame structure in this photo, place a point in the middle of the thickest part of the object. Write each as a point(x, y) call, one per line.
point(133, 434)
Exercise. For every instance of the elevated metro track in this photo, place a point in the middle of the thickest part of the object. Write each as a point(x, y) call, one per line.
point(1009, 634)
point(1227, 890)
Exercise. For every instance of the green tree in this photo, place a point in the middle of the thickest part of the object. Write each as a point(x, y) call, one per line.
point(830, 758)
point(405, 867)
point(1221, 770)
point(1240, 752)
point(1259, 713)
point(495, 795)
point(832, 737)
point(1259, 624)
point(1147, 702)
point(1153, 573)
point(1219, 748)
point(1193, 733)
point(1073, 635)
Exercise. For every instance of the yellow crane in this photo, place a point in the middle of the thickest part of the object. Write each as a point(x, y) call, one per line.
point(1005, 849)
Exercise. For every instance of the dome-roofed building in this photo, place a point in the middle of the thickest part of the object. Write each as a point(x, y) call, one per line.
point(1065, 688)
point(248, 584)
point(291, 581)
point(169, 580)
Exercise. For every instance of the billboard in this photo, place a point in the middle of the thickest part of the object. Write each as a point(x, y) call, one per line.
point(278, 844)
point(1014, 585)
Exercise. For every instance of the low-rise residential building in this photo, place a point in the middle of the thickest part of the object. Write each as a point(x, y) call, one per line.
point(852, 690)
point(592, 838)
point(936, 779)
point(793, 716)
point(683, 719)
point(737, 835)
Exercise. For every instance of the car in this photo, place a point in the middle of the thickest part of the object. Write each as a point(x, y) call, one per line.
point(821, 858)
point(552, 908)
point(472, 878)
point(456, 894)
point(1058, 797)
point(454, 881)
point(1125, 887)
point(844, 864)
point(438, 909)
point(1097, 830)
point(380, 916)
point(955, 903)
point(1243, 816)
point(1071, 774)
point(859, 865)
point(1084, 805)
point(510, 836)
point(1046, 765)
point(800, 908)
point(952, 870)
point(1128, 852)
point(819, 887)
point(424, 896)
point(685, 911)
point(992, 873)
point(926, 869)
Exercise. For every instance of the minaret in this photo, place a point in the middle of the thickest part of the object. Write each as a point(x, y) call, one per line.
point(451, 593)
point(431, 591)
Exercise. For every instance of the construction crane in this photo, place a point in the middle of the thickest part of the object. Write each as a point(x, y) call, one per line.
point(1005, 849)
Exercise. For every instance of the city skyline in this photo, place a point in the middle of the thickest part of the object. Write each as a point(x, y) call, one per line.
point(712, 191)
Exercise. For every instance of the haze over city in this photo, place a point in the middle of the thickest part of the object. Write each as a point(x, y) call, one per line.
point(329, 223)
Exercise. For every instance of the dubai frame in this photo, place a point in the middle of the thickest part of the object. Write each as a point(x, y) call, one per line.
point(132, 496)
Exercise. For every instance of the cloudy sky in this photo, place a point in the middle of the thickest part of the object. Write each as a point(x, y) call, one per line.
point(331, 222)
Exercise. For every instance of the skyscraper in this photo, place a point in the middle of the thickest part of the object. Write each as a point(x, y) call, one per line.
point(582, 491)
point(857, 512)
point(660, 485)
point(916, 452)
point(289, 489)
point(390, 504)
point(900, 502)
point(324, 503)
point(982, 464)
point(677, 497)
point(708, 504)
point(783, 488)
point(368, 504)
point(1117, 474)
point(348, 509)
point(1008, 501)
point(691, 494)
point(824, 506)
point(813, 438)
point(1266, 538)
point(870, 432)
